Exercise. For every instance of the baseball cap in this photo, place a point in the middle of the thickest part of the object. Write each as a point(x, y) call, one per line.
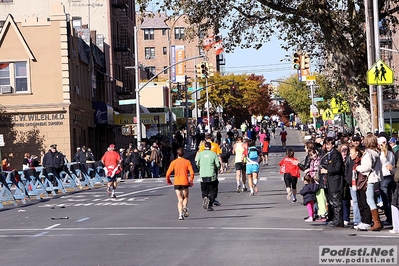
point(392, 140)
point(112, 146)
point(78, 148)
point(53, 146)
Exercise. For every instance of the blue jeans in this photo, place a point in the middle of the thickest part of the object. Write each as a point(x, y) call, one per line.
point(386, 188)
point(154, 169)
point(356, 211)
point(370, 195)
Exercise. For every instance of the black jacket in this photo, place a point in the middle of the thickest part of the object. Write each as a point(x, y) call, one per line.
point(55, 159)
point(134, 158)
point(335, 168)
point(309, 193)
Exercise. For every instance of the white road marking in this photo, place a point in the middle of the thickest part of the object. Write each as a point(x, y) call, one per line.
point(167, 228)
point(83, 219)
point(50, 227)
point(40, 234)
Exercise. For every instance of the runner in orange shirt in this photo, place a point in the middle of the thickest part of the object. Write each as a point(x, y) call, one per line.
point(182, 182)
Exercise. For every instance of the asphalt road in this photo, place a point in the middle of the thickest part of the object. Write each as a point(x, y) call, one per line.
point(140, 226)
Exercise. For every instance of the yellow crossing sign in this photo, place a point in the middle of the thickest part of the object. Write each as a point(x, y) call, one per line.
point(380, 74)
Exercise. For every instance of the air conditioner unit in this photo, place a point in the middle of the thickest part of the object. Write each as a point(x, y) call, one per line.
point(6, 89)
point(147, 57)
point(77, 90)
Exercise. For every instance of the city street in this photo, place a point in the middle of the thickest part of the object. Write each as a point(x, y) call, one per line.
point(141, 226)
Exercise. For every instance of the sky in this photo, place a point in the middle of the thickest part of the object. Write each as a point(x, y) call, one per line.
point(265, 61)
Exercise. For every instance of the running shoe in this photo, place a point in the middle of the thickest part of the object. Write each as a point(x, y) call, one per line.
point(205, 203)
point(256, 188)
point(244, 189)
point(216, 203)
point(185, 211)
point(293, 199)
point(251, 194)
point(209, 209)
point(309, 219)
point(238, 189)
point(181, 217)
point(108, 191)
point(394, 231)
point(113, 195)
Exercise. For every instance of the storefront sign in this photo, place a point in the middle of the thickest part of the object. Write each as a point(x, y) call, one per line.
point(32, 120)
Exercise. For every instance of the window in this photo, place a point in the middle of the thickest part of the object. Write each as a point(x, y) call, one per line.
point(164, 50)
point(165, 71)
point(150, 71)
point(13, 77)
point(164, 32)
point(149, 34)
point(6, 1)
point(179, 33)
point(149, 53)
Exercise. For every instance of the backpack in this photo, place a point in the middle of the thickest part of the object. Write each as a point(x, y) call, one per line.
point(225, 151)
point(252, 153)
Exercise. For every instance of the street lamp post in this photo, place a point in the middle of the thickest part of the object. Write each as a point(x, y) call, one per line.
point(136, 69)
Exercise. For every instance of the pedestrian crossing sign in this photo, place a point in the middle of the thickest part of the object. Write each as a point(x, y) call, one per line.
point(380, 74)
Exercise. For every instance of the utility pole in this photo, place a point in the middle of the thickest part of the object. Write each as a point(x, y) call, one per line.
point(378, 57)
point(370, 61)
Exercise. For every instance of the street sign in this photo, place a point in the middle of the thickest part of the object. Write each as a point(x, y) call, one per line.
point(2, 140)
point(310, 80)
point(380, 74)
point(327, 115)
point(128, 101)
point(191, 101)
point(314, 111)
point(318, 99)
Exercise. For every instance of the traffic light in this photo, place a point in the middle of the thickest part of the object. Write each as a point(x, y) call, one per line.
point(204, 69)
point(306, 61)
point(178, 90)
point(296, 60)
point(233, 89)
point(198, 70)
point(126, 130)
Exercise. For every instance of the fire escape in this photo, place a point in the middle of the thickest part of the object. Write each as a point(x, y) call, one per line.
point(122, 46)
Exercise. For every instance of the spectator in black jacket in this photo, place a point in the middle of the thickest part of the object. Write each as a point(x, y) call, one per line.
point(134, 163)
point(335, 175)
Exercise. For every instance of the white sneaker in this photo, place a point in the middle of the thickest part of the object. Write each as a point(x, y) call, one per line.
point(363, 227)
point(346, 223)
point(181, 217)
point(309, 219)
point(394, 231)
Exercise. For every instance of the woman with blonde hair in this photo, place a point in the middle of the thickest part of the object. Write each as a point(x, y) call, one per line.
point(387, 183)
point(371, 167)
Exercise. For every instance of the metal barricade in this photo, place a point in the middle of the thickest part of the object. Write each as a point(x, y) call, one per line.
point(52, 181)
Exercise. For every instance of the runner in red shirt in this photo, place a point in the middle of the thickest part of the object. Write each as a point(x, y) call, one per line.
point(289, 167)
point(111, 160)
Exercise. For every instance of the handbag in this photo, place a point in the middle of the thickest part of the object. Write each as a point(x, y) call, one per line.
point(361, 183)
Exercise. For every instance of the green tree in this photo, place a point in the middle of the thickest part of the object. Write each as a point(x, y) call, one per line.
point(251, 96)
point(330, 30)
